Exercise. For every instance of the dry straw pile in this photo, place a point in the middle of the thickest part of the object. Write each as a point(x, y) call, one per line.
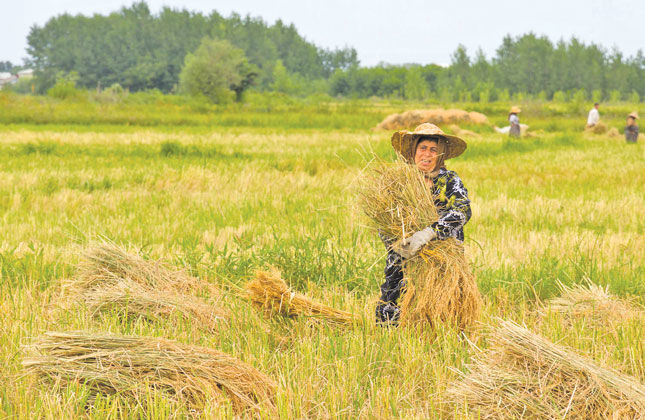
point(438, 116)
point(112, 281)
point(271, 295)
point(524, 375)
point(133, 366)
point(440, 286)
point(593, 304)
point(599, 128)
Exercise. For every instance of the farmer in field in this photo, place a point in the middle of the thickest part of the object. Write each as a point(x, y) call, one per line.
point(514, 121)
point(428, 148)
point(631, 130)
point(594, 116)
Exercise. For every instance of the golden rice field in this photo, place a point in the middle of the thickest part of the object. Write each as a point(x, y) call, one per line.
point(559, 207)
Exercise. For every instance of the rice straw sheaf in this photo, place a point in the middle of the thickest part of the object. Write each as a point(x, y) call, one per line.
point(396, 199)
point(271, 295)
point(132, 366)
point(133, 301)
point(111, 280)
point(105, 261)
point(593, 303)
point(440, 286)
point(412, 118)
point(524, 375)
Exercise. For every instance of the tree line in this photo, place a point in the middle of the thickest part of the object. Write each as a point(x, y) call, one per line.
point(524, 66)
point(139, 50)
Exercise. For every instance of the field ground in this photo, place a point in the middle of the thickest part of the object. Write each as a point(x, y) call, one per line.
point(223, 200)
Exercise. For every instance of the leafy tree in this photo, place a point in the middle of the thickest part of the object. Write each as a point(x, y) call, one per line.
point(281, 80)
point(415, 85)
point(634, 97)
point(217, 70)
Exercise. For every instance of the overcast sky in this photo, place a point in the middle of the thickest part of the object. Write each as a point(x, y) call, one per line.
point(403, 31)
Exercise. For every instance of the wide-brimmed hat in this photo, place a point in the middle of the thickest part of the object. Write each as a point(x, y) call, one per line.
point(405, 142)
point(515, 110)
point(634, 115)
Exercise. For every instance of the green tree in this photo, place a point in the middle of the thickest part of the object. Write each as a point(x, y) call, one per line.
point(614, 96)
point(217, 70)
point(634, 97)
point(415, 87)
point(282, 82)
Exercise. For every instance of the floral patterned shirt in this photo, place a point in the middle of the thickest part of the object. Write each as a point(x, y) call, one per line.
point(453, 206)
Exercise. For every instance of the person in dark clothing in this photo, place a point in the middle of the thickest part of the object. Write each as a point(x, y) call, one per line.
point(428, 148)
point(514, 121)
point(631, 130)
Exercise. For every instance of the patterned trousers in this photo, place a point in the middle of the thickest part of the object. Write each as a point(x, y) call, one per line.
point(387, 309)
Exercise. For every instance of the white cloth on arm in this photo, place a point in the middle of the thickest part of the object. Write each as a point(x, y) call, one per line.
point(513, 119)
point(594, 117)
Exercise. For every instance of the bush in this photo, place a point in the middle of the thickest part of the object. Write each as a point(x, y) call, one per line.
point(65, 87)
point(559, 96)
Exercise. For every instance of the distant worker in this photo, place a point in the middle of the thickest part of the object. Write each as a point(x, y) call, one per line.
point(594, 116)
point(631, 131)
point(514, 121)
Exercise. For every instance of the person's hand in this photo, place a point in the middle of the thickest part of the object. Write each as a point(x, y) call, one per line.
point(414, 243)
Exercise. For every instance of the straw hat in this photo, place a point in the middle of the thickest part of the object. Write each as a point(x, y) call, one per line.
point(515, 110)
point(634, 115)
point(405, 142)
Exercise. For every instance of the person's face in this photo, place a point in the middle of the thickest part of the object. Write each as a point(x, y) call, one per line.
point(596, 106)
point(426, 155)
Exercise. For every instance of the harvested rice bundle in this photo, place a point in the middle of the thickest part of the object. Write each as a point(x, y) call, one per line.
point(598, 128)
point(438, 116)
point(106, 262)
point(440, 285)
point(132, 366)
point(134, 301)
point(396, 199)
point(593, 303)
point(524, 375)
point(270, 294)
point(111, 280)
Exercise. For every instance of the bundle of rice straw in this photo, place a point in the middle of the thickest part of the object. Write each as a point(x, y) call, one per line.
point(271, 295)
point(112, 280)
point(130, 300)
point(440, 286)
point(613, 133)
point(593, 303)
point(524, 375)
point(598, 128)
point(105, 262)
point(412, 118)
point(133, 366)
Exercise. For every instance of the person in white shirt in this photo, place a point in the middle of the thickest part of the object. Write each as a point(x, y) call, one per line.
point(594, 116)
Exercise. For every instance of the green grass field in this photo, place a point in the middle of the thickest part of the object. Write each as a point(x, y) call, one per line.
point(223, 192)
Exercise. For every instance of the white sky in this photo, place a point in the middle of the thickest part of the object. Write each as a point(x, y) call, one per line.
point(397, 32)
